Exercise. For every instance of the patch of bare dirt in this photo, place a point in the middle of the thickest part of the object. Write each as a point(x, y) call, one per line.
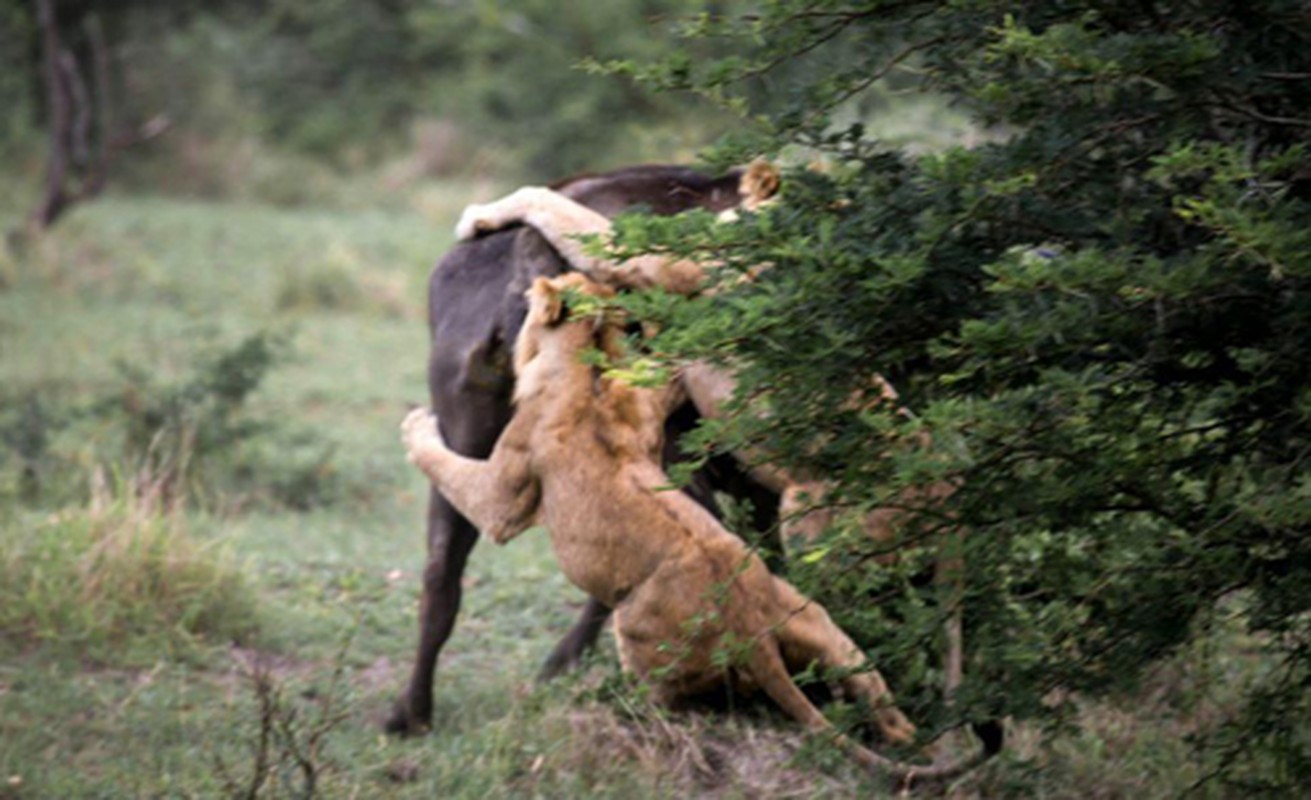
point(691, 755)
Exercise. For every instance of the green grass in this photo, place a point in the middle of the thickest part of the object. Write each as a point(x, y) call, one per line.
point(150, 694)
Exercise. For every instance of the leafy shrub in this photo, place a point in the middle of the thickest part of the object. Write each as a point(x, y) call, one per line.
point(191, 439)
point(286, 468)
point(195, 437)
point(1101, 321)
point(171, 432)
point(25, 430)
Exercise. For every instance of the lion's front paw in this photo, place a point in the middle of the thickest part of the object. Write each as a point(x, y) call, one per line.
point(418, 429)
point(894, 725)
point(476, 219)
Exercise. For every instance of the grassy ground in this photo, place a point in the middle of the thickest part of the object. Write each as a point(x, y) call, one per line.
point(173, 696)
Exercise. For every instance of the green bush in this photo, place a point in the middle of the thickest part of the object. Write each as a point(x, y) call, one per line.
point(174, 431)
point(1100, 321)
point(194, 439)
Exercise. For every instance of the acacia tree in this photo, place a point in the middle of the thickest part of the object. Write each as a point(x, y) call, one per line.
point(1101, 318)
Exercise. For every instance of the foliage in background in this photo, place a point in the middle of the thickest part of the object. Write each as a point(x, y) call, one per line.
point(169, 431)
point(274, 98)
point(1101, 321)
point(190, 439)
point(16, 77)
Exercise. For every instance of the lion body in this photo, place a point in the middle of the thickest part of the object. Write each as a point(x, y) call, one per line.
point(694, 607)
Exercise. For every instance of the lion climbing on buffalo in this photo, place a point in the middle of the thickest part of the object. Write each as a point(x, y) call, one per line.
point(803, 511)
point(581, 456)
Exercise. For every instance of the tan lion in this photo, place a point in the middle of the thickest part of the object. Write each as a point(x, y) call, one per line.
point(694, 607)
point(802, 511)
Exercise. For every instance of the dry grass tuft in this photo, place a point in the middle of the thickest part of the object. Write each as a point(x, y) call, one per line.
point(683, 755)
point(707, 757)
point(119, 573)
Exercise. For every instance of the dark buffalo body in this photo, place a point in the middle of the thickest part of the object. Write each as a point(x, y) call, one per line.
point(475, 308)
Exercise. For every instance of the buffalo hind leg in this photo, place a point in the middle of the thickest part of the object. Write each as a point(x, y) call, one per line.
point(450, 540)
point(580, 639)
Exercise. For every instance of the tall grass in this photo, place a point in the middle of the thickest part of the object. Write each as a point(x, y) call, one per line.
point(117, 577)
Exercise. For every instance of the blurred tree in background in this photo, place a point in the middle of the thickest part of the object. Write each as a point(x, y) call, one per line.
point(255, 90)
point(69, 58)
point(1101, 318)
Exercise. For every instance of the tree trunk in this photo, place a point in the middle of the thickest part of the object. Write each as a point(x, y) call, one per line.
point(58, 107)
point(80, 118)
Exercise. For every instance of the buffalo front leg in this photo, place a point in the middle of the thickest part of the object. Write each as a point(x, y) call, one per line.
point(482, 489)
point(450, 540)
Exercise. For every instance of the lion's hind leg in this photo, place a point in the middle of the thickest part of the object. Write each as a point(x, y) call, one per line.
point(808, 635)
point(769, 671)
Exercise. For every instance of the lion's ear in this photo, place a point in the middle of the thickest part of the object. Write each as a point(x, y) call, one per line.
point(759, 183)
point(552, 299)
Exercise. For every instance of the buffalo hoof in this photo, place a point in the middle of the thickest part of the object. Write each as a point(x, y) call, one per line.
point(570, 651)
point(402, 722)
point(557, 664)
point(992, 734)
